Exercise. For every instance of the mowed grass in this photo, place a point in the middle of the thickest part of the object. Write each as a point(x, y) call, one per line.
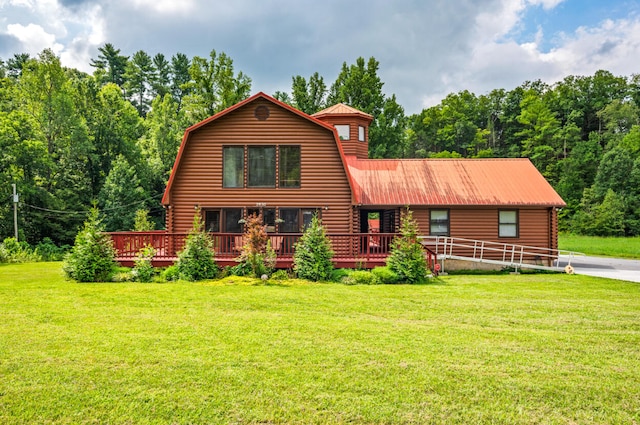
point(525, 349)
point(601, 246)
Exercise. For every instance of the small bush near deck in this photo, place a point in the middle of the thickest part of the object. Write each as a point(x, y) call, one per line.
point(360, 277)
point(143, 269)
point(385, 275)
point(313, 254)
point(338, 274)
point(92, 258)
point(171, 273)
point(280, 275)
point(195, 261)
point(407, 258)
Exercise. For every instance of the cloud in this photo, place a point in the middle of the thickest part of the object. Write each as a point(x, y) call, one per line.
point(34, 38)
point(426, 49)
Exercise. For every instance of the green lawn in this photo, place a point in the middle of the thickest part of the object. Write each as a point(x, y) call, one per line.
point(600, 246)
point(525, 349)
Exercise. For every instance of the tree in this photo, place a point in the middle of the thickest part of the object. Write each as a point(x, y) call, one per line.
point(214, 86)
point(313, 253)
point(407, 258)
point(161, 82)
point(195, 261)
point(110, 65)
point(360, 87)
point(180, 65)
point(121, 195)
point(139, 75)
point(92, 258)
point(308, 96)
point(257, 253)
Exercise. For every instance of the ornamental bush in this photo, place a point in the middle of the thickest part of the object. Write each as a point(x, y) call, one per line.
point(92, 258)
point(257, 254)
point(195, 261)
point(313, 253)
point(385, 275)
point(407, 258)
point(143, 269)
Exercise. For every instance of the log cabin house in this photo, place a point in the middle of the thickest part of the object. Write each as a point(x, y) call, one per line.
point(264, 156)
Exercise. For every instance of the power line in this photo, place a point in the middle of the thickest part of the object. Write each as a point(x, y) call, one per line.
point(85, 211)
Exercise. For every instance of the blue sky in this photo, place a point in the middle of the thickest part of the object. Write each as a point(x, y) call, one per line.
point(426, 48)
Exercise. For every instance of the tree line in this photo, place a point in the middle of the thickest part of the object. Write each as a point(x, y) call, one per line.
point(70, 140)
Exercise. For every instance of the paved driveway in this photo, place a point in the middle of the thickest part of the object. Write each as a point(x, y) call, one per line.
point(613, 268)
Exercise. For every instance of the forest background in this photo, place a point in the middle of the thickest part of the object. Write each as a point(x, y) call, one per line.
point(69, 140)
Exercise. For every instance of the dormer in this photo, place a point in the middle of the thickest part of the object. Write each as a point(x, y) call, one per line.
point(352, 126)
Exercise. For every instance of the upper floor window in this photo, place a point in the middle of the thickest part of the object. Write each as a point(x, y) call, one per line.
point(361, 133)
point(439, 222)
point(261, 167)
point(289, 172)
point(233, 166)
point(508, 224)
point(343, 131)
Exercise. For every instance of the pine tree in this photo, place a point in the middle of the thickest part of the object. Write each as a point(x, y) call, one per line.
point(313, 253)
point(407, 258)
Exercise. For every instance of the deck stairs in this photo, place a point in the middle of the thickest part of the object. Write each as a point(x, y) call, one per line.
point(503, 254)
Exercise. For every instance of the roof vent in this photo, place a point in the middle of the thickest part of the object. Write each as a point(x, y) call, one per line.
point(261, 113)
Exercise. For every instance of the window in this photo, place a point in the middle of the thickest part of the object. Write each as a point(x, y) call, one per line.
point(289, 158)
point(212, 221)
point(289, 220)
point(233, 166)
point(262, 166)
point(361, 133)
point(439, 222)
point(508, 224)
point(343, 131)
point(268, 217)
point(232, 217)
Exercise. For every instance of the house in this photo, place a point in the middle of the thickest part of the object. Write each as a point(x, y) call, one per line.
point(264, 156)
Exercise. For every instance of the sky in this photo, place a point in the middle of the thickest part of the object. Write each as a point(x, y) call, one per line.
point(426, 48)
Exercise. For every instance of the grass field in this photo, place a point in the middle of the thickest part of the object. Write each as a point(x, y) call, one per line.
point(599, 246)
point(527, 349)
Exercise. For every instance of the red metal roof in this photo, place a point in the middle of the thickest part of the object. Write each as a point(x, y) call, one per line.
point(507, 182)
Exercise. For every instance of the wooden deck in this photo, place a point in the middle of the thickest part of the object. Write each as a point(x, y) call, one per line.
point(355, 250)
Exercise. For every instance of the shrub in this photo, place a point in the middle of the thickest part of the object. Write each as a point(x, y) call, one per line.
point(241, 269)
point(141, 222)
point(48, 251)
point(280, 275)
point(338, 274)
point(313, 253)
point(122, 276)
point(171, 273)
point(360, 277)
point(92, 258)
point(195, 261)
point(143, 269)
point(13, 251)
point(257, 253)
point(385, 275)
point(407, 258)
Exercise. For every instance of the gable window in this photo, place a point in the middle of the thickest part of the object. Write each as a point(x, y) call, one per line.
point(361, 133)
point(439, 222)
point(289, 172)
point(343, 131)
point(261, 166)
point(508, 224)
point(233, 166)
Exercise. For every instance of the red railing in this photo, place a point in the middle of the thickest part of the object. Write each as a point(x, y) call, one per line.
point(350, 249)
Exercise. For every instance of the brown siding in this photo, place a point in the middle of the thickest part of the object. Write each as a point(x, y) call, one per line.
point(198, 181)
point(482, 224)
point(352, 146)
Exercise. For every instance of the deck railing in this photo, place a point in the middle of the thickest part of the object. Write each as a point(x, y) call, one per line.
point(364, 248)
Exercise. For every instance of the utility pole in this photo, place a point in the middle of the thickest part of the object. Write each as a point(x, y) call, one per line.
point(15, 210)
